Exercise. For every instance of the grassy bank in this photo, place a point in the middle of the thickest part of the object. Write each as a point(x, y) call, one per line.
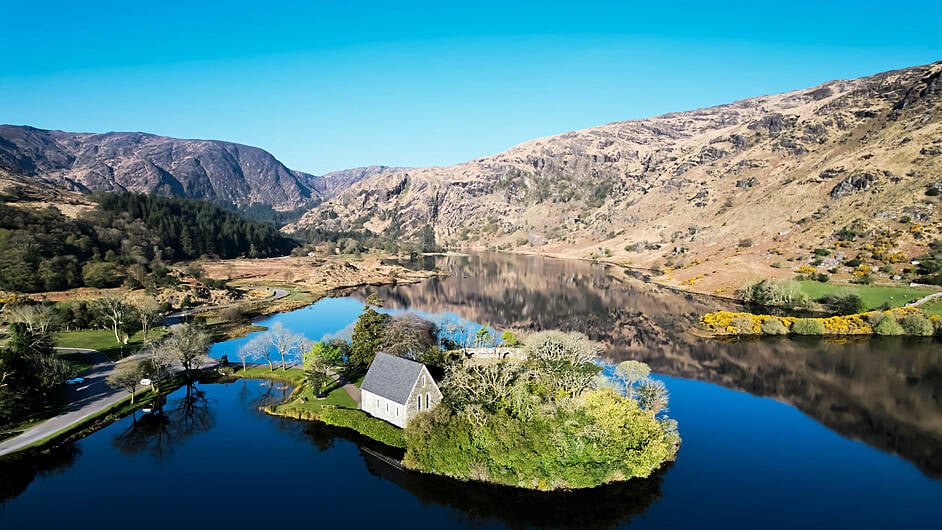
point(872, 296)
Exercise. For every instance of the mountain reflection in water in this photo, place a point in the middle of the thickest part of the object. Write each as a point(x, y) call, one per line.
point(886, 392)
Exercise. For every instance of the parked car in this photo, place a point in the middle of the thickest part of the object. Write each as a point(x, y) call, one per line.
point(75, 381)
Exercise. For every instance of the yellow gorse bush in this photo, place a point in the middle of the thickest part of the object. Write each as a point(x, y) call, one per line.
point(739, 323)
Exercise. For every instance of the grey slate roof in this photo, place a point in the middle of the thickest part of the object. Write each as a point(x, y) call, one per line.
point(391, 377)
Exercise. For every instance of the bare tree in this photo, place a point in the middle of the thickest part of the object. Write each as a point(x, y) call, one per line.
point(481, 384)
point(118, 314)
point(258, 347)
point(126, 376)
point(38, 319)
point(288, 344)
point(254, 349)
point(564, 360)
point(408, 336)
point(156, 364)
point(147, 311)
point(187, 345)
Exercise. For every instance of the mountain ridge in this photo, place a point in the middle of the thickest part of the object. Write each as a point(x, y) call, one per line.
point(214, 170)
point(736, 186)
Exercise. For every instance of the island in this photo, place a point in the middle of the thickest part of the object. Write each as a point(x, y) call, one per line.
point(538, 413)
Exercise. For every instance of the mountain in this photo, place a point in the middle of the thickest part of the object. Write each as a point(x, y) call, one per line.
point(712, 196)
point(330, 184)
point(129, 161)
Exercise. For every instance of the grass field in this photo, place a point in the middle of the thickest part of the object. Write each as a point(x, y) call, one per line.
point(305, 401)
point(294, 376)
point(103, 341)
point(933, 307)
point(873, 296)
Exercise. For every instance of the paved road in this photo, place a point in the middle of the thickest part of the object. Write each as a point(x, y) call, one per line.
point(85, 400)
point(176, 318)
point(924, 299)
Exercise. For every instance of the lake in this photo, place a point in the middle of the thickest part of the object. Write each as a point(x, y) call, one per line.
point(776, 433)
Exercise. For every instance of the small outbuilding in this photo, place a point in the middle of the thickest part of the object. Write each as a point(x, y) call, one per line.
point(395, 389)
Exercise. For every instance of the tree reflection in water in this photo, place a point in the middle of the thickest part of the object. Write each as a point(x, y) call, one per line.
point(884, 391)
point(158, 432)
point(18, 471)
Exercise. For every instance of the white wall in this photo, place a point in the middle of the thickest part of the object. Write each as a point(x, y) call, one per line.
point(383, 408)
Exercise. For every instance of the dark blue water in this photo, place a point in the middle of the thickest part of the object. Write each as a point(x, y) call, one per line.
point(847, 439)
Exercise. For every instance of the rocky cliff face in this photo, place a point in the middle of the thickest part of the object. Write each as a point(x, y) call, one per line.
point(203, 169)
point(333, 183)
point(736, 187)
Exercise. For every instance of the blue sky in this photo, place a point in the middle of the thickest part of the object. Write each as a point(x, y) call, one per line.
point(330, 85)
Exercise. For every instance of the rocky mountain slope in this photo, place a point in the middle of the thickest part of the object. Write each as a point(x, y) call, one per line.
point(204, 169)
point(331, 184)
point(713, 196)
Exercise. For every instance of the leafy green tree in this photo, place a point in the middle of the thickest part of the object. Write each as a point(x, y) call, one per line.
point(843, 304)
point(367, 336)
point(101, 274)
point(509, 339)
point(316, 371)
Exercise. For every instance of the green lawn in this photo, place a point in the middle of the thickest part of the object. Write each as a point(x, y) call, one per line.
point(294, 376)
point(873, 296)
point(933, 307)
point(305, 401)
point(103, 341)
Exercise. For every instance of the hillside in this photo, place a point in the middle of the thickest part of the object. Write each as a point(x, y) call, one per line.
point(216, 171)
point(53, 240)
point(714, 197)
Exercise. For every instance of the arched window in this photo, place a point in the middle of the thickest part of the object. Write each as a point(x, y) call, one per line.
point(427, 399)
point(418, 403)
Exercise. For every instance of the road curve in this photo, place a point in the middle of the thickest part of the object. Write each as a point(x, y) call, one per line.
point(84, 401)
point(175, 318)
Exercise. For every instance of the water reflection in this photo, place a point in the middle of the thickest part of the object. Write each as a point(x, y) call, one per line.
point(19, 471)
point(886, 392)
point(603, 507)
point(476, 504)
point(158, 432)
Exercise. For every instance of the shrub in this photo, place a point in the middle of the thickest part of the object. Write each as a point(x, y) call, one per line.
point(601, 437)
point(821, 277)
point(358, 420)
point(746, 325)
point(766, 293)
point(888, 326)
point(917, 325)
point(822, 252)
point(808, 326)
point(745, 243)
point(843, 304)
point(774, 326)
